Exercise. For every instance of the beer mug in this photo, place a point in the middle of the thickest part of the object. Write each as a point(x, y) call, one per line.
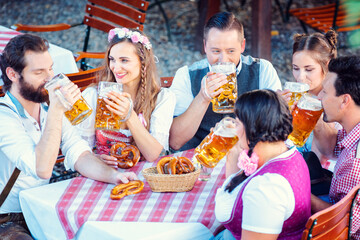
point(225, 101)
point(105, 119)
point(297, 90)
point(217, 143)
point(77, 112)
point(305, 116)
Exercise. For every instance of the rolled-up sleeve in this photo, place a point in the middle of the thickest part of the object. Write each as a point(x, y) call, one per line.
point(72, 145)
point(181, 87)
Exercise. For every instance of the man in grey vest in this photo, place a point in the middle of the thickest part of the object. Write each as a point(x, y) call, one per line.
point(223, 42)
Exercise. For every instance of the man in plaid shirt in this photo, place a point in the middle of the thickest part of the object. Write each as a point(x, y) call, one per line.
point(340, 98)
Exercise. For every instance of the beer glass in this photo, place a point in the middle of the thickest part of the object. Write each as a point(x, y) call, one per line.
point(77, 112)
point(217, 143)
point(105, 119)
point(297, 90)
point(225, 101)
point(305, 116)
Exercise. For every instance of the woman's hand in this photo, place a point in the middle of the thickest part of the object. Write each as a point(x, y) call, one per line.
point(211, 85)
point(119, 103)
point(109, 160)
point(286, 94)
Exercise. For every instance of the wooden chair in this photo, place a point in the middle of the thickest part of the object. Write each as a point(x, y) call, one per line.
point(342, 16)
point(102, 15)
point(333, 222)
point(166, 81)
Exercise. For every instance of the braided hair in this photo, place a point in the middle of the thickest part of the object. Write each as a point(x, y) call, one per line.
point(149, 87)
point(266, 118)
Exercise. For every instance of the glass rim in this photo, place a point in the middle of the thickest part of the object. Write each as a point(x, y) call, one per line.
point(303, 86)
point(307, 99)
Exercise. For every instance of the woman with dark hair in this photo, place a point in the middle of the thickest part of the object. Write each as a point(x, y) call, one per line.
point(130, 61)
point(267, 191)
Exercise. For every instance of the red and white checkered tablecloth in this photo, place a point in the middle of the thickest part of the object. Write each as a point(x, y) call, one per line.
point(5, 35)
point(85, 200)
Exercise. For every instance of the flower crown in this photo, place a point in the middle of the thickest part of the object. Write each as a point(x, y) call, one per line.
point(133, 35)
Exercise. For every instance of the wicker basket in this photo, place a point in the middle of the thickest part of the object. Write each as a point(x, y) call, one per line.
point(169, 182)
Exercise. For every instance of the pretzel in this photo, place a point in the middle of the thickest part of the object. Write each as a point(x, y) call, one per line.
point(174, 165)
point(125, 189)
point(127, 155)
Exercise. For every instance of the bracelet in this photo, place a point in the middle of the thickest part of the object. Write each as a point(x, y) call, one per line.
point(205, 92)
point(129, 112)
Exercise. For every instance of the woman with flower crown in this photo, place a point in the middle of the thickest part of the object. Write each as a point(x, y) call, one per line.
point(147, 109)
point(267, 191)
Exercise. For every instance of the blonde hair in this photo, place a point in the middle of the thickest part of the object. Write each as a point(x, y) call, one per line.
point(149, 87)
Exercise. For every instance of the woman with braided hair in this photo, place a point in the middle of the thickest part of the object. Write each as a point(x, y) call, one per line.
point(267, 191)
point(129, 60)
point(311, 56)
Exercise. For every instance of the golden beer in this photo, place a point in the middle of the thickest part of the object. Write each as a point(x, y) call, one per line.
point(77, 112)
point(297, 91)
point(225, 101)
point(104, 118)
point(217, 143)
point(305, 116)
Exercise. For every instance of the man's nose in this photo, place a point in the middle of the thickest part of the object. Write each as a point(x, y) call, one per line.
point(224, 58)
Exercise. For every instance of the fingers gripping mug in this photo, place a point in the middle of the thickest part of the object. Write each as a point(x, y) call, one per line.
point(217, 143)
point(225, 101)
point(105, 119)
point(77, 112)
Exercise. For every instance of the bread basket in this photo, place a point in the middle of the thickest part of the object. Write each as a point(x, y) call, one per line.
point(170, 182)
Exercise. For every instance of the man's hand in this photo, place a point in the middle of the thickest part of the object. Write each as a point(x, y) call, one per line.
point(211, 85)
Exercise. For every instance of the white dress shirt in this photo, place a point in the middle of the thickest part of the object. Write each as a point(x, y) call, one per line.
point(181, 85)
point(160, 120)
point(19, 135)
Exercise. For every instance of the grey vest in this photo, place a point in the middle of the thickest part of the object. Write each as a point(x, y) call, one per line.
point(247, 80)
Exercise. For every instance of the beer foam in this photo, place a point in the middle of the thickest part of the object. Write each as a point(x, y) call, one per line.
point(223, 68)
point(106, 90)
point(310, 103)
point(297, 87)
point(228, 130)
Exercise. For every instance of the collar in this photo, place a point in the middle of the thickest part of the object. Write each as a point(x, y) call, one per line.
point(350, 139)
point(20, 109)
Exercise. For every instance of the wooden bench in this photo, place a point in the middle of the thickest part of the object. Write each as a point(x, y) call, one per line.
point(342, 16)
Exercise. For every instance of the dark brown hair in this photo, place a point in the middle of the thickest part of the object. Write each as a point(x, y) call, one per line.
point(14, 54)
point(224, 21)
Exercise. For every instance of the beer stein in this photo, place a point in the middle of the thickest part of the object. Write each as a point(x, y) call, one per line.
point(77, 112)
point(225, 101)
point(217, 143)
point(305, 116)
point(297, 90)
point(105, 119)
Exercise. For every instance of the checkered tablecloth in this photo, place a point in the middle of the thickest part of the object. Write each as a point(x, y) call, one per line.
point(85, 200)
point(5, 35)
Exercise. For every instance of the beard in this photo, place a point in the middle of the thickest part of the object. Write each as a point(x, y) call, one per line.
point(30, 93)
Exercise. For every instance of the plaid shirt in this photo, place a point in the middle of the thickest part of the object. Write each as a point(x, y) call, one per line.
point(347, 172)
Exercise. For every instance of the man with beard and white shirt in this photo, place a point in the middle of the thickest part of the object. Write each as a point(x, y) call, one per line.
point(31, 132)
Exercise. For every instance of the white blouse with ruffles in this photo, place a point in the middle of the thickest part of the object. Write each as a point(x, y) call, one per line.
point(160, 120)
